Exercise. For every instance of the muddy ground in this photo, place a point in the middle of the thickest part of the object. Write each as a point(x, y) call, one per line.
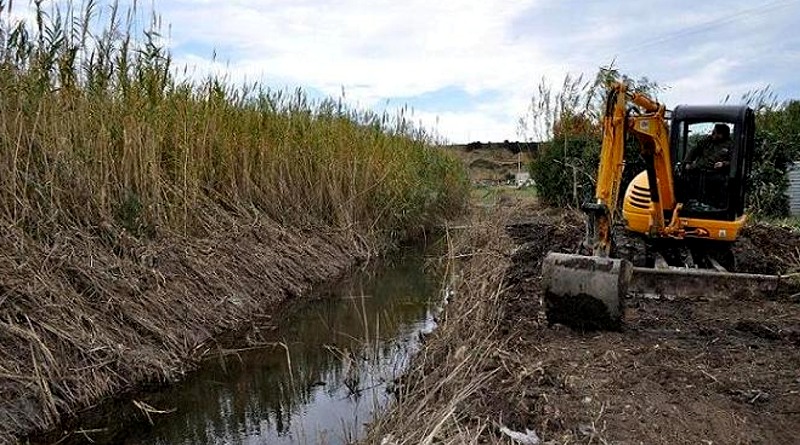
point(680, 371)
point(88, 315)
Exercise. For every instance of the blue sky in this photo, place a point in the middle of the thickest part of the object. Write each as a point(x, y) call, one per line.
point(469, 68)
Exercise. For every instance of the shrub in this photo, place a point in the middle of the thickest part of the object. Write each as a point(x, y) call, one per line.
point(569, 123)
point(564, 170)
point(777, 145)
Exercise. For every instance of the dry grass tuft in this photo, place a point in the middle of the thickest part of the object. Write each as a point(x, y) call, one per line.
point(438, 395)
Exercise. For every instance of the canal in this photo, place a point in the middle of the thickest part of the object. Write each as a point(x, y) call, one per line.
point(329, 363)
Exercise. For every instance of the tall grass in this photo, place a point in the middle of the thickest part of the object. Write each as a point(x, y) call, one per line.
point(568, 123)
point(98, 128)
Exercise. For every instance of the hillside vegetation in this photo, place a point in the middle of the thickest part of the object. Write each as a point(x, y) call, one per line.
point(493, 163)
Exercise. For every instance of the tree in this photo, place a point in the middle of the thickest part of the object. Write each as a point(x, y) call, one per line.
point(568, 124)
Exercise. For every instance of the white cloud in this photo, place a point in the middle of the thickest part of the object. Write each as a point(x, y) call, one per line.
point(493, 51)
point(702, 86)
point(378, 49)
point(374, 50)
point(488, 121)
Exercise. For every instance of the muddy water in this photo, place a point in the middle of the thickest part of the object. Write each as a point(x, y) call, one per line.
point(331, 365)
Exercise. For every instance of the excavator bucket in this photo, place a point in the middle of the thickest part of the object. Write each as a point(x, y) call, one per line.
point(587, 292)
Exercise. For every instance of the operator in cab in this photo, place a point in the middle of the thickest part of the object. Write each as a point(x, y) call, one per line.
point(708, 165)
point(712, 154)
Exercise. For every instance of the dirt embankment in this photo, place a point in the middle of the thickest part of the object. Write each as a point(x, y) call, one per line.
point(492, 163)
point(680, 371)
point(87, 316)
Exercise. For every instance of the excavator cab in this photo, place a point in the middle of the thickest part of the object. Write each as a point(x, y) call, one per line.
point(706, 192)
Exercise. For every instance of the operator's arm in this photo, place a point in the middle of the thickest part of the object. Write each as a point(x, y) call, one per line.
point(696, 153)
point(693, 154)
point(722, 157)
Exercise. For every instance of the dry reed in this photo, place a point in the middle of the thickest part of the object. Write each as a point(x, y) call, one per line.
point(142, 215)
point(96, 128)
point(436, 397)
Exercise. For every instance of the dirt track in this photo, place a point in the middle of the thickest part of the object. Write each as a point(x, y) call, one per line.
point(679, 372)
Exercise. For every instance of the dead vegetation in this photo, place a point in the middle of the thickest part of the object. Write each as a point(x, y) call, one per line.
point(680, 371)
point(463, 353)
point(89, 316)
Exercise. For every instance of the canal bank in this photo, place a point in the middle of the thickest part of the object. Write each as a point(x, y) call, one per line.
point(143, 214)
point(88, 318)
point(315, 376)
point(680, 370)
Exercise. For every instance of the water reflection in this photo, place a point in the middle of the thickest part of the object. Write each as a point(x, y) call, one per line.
point(323, 379)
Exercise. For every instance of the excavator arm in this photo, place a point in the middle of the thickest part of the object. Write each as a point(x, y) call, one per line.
point(649, 126)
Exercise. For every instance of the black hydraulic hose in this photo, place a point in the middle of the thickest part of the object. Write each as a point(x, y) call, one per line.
point(611, 100)
point(652, 182)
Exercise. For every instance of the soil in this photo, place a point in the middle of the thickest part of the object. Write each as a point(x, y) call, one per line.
point(678, 371)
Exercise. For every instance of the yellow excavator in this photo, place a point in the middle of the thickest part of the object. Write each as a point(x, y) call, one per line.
point(686, 213)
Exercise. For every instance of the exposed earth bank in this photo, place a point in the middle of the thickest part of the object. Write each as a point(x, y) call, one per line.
point(85, 316)
point(693, 371)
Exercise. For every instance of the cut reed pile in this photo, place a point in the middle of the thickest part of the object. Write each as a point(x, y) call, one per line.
point(142, 214)
point(81, 322)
